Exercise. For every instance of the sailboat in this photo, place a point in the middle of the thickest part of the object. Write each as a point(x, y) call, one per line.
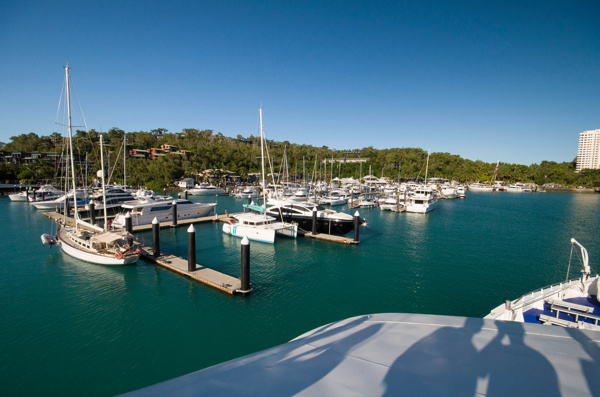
point(257, 225)
point(83, 240)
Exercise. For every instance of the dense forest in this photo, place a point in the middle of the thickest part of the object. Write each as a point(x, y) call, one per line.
point(207, 150)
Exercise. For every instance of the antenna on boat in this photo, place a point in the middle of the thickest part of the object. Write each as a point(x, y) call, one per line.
point(584, 256)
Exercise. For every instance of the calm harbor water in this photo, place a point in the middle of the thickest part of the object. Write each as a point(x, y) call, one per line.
point(73, 328)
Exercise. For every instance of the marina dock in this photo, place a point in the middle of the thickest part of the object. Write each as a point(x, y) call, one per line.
point(143, 228)
point(210, 277)
point(331, 238)
point(202, 274)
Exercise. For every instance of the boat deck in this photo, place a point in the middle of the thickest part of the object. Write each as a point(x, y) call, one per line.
point(533, 315)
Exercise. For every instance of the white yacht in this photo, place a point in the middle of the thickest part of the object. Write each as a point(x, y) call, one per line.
point(480, 187)
point(449, 192)
point(204, 189)
point(333, 199)
point(422, 200)
point(45, 192)
point(301, 194)
point(247, 191)
point(60, 201)
point(144, 210)
point(20, 196)
point(328, 221)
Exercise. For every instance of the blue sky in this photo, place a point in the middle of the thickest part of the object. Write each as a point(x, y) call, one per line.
point(515, 81)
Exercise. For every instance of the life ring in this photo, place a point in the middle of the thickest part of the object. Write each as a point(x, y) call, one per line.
point(138, 251)
point(119, 255)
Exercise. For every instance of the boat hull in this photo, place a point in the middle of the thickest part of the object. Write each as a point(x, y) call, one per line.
point(254, 234)
point(324, 225)
point(95, 258)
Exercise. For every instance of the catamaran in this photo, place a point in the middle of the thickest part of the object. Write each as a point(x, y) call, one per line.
point(257, 225)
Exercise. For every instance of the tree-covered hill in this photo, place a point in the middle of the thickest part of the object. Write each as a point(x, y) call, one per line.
point(207, 150)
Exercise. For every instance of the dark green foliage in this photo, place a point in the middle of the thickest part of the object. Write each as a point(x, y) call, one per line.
point(207, 150)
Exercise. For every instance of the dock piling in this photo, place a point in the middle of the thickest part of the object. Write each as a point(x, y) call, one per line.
point(245, 262)
point(92, 207)
point(185, 193)
point(155, 238)
point(356, 225)
point(128, 222)
point(191, 248)
point(174, 213)
point(314, 221)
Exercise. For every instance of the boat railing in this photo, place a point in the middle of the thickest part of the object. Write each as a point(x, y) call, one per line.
point(545, 292)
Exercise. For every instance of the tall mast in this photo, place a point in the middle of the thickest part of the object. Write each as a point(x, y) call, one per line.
point(427, 166)
point(262, 156)
point(124, 160)
point(71, 146)
point(496, 172)
point(103, 184)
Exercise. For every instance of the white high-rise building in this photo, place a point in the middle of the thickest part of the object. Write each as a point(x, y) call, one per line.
point(588, 155)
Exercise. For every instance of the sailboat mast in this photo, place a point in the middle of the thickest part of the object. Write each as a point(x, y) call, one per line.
point(496, 173)
point(71, 146)
point(103, 184)
point(427, 166)
point(262, 156)
point(124, 160)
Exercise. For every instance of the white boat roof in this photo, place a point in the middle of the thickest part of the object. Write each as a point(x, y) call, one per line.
point(252, 217)
point(409, 354)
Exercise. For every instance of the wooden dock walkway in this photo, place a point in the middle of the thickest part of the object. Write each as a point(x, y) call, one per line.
point(332, 238)
point(143, 228)
point(210, 277)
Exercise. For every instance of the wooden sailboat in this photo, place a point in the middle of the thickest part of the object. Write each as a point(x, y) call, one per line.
point(85, 241)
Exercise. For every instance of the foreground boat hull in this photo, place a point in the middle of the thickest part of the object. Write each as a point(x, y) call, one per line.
point(254, 234)
point(94, 258)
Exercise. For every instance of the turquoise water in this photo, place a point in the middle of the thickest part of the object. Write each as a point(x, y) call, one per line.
point(73, 328)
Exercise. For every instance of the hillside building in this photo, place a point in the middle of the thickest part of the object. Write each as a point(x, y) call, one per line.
point(588, 155)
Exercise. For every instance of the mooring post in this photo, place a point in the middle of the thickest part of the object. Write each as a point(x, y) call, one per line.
point(314, 221)
point(191, 248)
point(92, 207)
point(356, 225)
point(128, 222)
point(398, 202)
point(174, 213)
point(249, 199)
point(185, 194)
point(245, 276)
point(155, 238)
point(179, 195)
